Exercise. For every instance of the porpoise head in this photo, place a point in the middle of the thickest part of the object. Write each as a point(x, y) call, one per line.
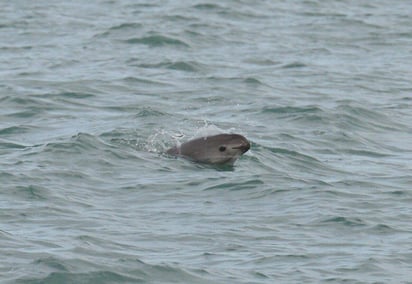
point(216, 149)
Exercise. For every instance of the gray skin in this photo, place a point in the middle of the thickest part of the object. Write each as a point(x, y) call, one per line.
point(217, 149)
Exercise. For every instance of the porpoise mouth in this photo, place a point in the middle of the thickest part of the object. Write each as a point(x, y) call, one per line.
point(245, 146)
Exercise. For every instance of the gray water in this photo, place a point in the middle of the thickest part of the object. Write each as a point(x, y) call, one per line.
point(92, 92)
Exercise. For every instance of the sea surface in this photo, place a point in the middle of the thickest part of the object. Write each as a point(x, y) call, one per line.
point(93, 92)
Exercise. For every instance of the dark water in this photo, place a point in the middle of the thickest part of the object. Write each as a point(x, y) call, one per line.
point(91, 93)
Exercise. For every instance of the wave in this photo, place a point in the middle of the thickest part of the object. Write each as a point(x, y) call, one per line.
point(55, 269)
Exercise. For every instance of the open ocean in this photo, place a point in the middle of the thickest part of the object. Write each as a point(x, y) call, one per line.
point(93, 92)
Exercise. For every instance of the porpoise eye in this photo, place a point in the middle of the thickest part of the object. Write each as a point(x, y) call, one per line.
point(222, 148)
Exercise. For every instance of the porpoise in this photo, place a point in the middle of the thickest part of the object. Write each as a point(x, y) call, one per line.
point(217, 149)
